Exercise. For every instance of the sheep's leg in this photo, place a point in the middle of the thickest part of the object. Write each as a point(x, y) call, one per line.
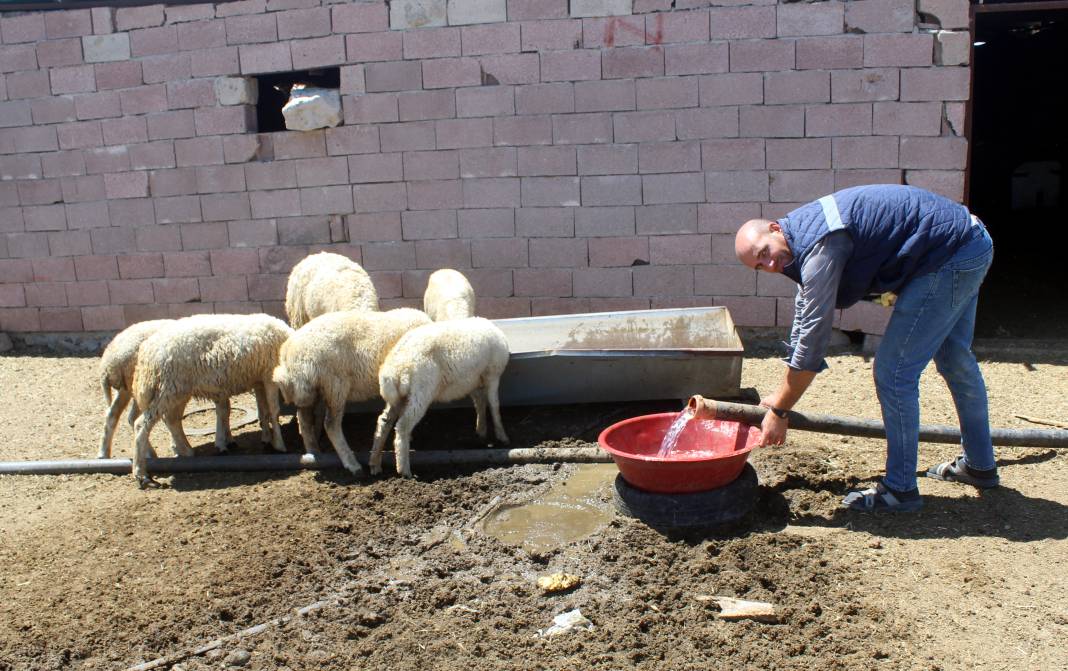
point(263, 414)
point(334, 413)
point(270, 394)
point(495, 408)
point(118, 404)
point(222, 425)
point(478, 398)
point(309, 430)
point(142, 430)
point(385, 424)
point(173, 420)
point(320, 418)
point(131, 417)
point(414, 410)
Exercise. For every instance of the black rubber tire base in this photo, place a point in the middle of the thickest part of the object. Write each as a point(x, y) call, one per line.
point(697, 510)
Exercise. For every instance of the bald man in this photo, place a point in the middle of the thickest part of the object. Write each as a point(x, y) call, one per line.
point(869, 240)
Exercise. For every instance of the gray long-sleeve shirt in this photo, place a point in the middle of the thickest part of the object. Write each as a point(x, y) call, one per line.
point(815, 301)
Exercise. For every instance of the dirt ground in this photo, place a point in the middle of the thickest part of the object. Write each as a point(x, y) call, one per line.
point(100, 575)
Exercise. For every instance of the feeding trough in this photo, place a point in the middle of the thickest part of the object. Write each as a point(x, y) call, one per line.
point(704, 480)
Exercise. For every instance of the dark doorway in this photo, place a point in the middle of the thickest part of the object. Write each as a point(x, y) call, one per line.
point(1019, 135)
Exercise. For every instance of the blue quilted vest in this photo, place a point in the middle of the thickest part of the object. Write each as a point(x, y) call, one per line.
point(899, 232)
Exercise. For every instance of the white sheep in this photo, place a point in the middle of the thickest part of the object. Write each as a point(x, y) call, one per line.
point(117, 365)
point(210, 356)
point(336, 357)
point(327, 282)
point(448, 296)
point(443, 361)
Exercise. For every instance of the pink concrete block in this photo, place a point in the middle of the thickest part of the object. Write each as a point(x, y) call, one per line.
point(225, 120)
point(687, 59)
point(326, 200)
point(422, 105)
point(775, 284)
point(434, 254)
point(558, 253)
point(602, 282)
point(144, 99)
point(178, 182)
point(528, 10)
point(267, 287)
point(866, 317)
point(545, 222)
point(545, 98)
point(486, 223)
point(500, 253)
point(394, 76)
point(176, 290)
point(25, 166)
point(613, 31)
point(542, 282)
point(682, 26)
point(900, 50)
point(251, 29)
point(674, 188)
point(126, 184)
point(322, 171)
point(112, 240)
point(127, 18)
point(761, 55)
point(370, 108)
point(491, 192)
point(140, 266)
point(96, 267)
point(462, 133)
point(386, 46)
point(431, 43)
point(864, 85)
point(633, 62)
point(222, 178)
point(225, 206)
point(380, 197)
point(54, 109)
point(797, 186)
point(451, 72)
point(838, 120)
point(725, 218)
point(178, 209)
point(29, 84)
point(36, 139)
point(198, 35)
point(428, 225)
point(44, 294)
point(797, 87)
point(360, 17)
point(151, 156)
point(547, 161)
point(107, 159)
point(198, 151)
point(275, 203)
point(69, 243)
point(645, 6)
point(245, 148)
point(510, 69)
point(39, 192)
point(318, 52)
point(830, 52)
point(73, 79)
point(549, 191)
point(893, 118)
point(131, 212)
point(435, 195)
point(118, 75)
point(667, 93)
point(749, 310)
point(733, 23)
point(663, 281)
point(431, 165)
point(737, 186)
point(825, 18)
point(306, 144)
point(299, 23)
point(559, 35)
point(59, 52)
point(499, 38)
point(103, 318)
point(16, 270)
point(389, 256)
point(352, 80)
point(160, 238)
point(604, 96)
point(730, 154)
point(27, 245)
point(643, 126)
point(410, 136)
point(187, 264)
point(604, 221)
point(18, 57)
point(88, 215)
point(611, 190)
point(223, 289)
point(153, 41)
point(949, 183)
point(214, 62)
point(523, 130)
point(68, 23)
point(731, 89)
point(656, 157)
point(87, 293)
point(570, 65)
point(304, 231)
point(253, 233)
point(270, 57)
point(24, 28)
point(865, 152)
point(375, 168)
point(345, 140)
point(53, 270)
point(615, 159)
point(669, 250)
point(800, 153)
point(485, 101)
point(374, 227)
point(843, 179)
point(944, 83)
point(203, 236)
point(167, 68)
point(880, 16)
point(943, 153)
point(97, 105)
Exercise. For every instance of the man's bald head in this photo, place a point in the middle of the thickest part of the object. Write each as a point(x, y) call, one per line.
point(761, 245)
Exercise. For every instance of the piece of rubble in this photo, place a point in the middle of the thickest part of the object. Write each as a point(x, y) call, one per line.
point(312, 107)
point(572, 619)
point(740, 609)
point(558, 582)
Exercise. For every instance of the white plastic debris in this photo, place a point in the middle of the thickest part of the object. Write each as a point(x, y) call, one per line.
point(310, 107)
point(572, 619)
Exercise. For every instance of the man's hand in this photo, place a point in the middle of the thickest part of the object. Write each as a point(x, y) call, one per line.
point(773, 429)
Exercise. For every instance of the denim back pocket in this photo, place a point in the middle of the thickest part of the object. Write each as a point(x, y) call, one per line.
point(967, 279)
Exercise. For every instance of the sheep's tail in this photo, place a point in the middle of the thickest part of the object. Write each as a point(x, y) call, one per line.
point(394, 387)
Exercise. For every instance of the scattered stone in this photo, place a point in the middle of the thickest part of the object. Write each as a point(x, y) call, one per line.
point(558, 582)
point(876, 544)
point(564, 622)
point(238, 657)
point(740, 609)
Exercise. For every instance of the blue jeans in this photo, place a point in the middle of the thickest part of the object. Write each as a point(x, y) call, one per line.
point(934, 318)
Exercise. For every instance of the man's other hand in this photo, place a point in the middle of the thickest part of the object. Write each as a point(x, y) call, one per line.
point(773, 429)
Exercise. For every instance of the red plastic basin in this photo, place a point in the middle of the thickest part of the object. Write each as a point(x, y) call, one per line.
point(709, 453)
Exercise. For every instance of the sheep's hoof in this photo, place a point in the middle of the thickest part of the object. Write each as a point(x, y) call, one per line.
point(376, 470)
point(146, 482)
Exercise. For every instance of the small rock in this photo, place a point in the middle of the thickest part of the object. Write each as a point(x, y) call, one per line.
point(238, 657)
point(558, 582)
point(876, 544)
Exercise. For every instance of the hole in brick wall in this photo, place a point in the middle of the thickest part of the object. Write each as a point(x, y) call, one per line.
point(274, 93)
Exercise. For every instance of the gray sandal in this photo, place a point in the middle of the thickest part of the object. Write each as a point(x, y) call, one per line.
point(957, 471)
point(879, 499)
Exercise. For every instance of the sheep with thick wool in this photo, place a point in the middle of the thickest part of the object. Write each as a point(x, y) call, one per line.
point(117, 365)
point(327, 282)
point(448, 296)
point(336, 357)
point(442, 361)
point(205, 356)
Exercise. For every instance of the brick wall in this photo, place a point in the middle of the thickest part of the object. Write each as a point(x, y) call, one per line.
point(589, 156)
